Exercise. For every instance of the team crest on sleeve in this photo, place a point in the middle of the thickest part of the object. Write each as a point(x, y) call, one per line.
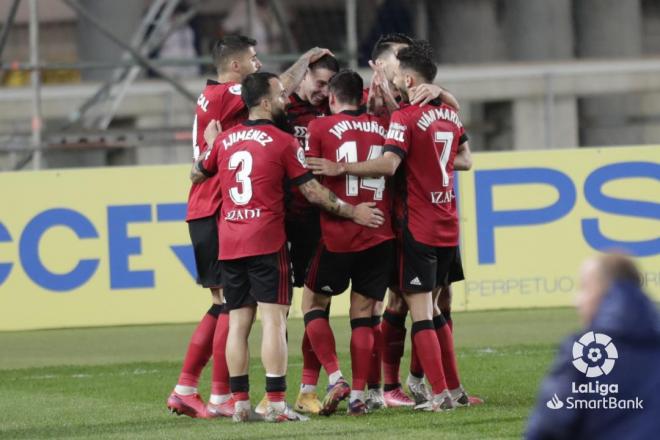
point(301, 157)
point(235, 89)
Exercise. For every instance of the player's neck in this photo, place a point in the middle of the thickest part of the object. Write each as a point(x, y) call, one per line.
point(257, 113)
point(301, 94)
point(224, 77)
point(346, 107)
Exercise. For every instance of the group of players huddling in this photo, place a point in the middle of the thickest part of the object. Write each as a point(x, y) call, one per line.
point(385, 158)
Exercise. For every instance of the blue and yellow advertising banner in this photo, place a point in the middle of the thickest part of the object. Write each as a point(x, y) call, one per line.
point(92, 247)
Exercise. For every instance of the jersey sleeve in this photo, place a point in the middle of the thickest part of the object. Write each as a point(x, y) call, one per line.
point(209, 164)
point(462, 135)
point(294, 163)
point(313, 140)
point(232, 103)
point(398, 135)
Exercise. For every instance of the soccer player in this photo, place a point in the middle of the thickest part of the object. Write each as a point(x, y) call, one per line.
point(234, 57)
point(348, 252)
point(426, 139)
point(252, 161)
point(309, 102)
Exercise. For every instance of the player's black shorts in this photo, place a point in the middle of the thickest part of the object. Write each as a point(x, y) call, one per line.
point(204, 237)
point(303, 237)
point(262, 278)
point(369, 271)
point(421, 268)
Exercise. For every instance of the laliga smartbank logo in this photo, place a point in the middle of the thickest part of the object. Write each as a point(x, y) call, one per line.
point(594, 355)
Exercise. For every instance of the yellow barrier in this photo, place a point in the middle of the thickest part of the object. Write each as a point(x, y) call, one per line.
point(108, 246)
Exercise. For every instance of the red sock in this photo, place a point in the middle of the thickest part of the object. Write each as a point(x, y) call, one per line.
point(317, 327)
point(376, 357)
point(394, 336)
point(415, 364)
point(447, 315)
point(199, 349)
point(362, 349)
point(220, 377)
point(428, 349)
point(275, 388)
point(446, 340)
point(311, 364)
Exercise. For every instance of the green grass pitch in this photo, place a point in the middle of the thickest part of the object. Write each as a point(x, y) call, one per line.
point(113, 382)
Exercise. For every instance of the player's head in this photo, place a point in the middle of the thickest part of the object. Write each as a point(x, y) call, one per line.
point(597, 275)
point(314, 86)
point(236, 53)
point(345, 89)
point(264, 96)
point(415, 67)
point(385, 50)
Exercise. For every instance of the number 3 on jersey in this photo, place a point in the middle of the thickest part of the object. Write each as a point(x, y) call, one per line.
point(242, 160)
point(348, 152)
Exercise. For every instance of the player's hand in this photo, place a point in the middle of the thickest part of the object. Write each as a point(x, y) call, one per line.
point(424, 93)
point(325, 167)
point(366, 214)
point(212, 131)
point(317, 52)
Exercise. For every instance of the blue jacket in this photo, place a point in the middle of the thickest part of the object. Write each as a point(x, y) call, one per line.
point(631, 319)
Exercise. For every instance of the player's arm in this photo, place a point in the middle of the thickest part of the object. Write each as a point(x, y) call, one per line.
point(365, 214)
point(386, 165)
point(292, 77)
point(463, 159)
point(425, 93)
point(205, 165)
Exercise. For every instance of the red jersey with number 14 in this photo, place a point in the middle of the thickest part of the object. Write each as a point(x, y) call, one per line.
point(220, 101)
point(427, 138)
point(351, 136)
point(252, 161)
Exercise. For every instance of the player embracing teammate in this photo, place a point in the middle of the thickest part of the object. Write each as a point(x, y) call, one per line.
point(422, 144)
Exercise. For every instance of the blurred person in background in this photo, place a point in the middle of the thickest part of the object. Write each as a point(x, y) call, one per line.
point(262, 25)
point(610, 301)
point(180, 45)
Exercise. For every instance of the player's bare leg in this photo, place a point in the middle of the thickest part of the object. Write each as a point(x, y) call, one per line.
point(362, 348)
point(238, 355)
point(185, 399)
point(393, 329)
point(374, 397)
point(421, 307)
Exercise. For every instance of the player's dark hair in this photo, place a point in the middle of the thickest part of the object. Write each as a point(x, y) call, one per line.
point(415, 57)
point(255, 87)
point(385, 43)
point(230, 45)
point(347, 85)
point(325, 62)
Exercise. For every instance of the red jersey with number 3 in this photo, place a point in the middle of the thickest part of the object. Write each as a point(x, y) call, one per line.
point(252, 161)
point(351, 136)
point(427, 139)
point(220, 101)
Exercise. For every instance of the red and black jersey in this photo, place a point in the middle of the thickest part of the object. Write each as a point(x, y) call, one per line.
point(299, 114)
point(351, 136)
point(220, 101)
point(427, 139)
point(252, 161)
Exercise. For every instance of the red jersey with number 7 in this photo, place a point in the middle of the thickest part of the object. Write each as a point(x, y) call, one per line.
point(427, 139)
point(351, 136)
point(222, 102)
point(252, 161)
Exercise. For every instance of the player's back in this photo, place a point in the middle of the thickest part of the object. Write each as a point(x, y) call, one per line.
point(222, 102)
point(430, 136)
point(351, 136)
point(254, 158)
